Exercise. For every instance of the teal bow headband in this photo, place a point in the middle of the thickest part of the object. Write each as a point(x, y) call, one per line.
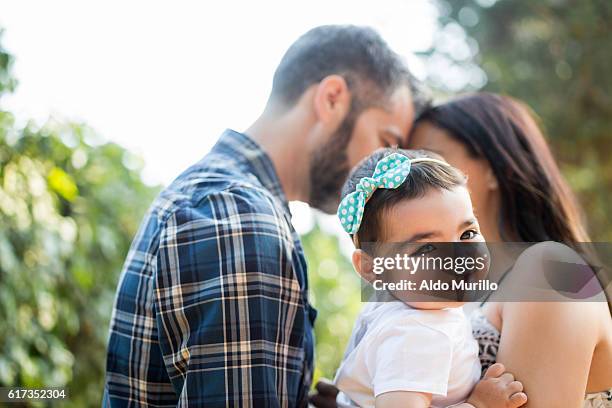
point(390, 172)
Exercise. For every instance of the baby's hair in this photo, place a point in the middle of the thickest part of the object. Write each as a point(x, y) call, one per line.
point(423, 176)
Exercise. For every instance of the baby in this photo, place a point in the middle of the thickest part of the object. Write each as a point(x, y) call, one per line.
point(408, 352)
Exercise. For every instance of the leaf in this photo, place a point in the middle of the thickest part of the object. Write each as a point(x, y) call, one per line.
point(63, 184)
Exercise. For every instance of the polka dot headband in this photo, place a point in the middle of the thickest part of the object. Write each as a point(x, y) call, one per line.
point(390, 172)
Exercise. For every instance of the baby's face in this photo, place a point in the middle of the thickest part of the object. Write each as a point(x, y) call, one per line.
point(438, 216)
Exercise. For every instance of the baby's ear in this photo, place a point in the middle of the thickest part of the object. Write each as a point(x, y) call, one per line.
point(362, 262)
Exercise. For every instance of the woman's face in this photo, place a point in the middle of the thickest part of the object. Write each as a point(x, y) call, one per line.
point(482, 184)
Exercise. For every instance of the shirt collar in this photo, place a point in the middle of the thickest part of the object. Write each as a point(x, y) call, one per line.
point(250, 156)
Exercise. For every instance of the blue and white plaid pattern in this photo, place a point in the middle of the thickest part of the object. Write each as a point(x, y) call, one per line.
point(212, 307)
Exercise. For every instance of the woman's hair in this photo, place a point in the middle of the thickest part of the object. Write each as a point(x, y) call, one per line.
point(423, 176)
point(536, 202)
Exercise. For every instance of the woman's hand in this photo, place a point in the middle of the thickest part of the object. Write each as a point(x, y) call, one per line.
point(498, 389)
point(325, 395)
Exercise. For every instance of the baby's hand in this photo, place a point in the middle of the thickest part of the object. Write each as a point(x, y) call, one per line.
point(498, 389)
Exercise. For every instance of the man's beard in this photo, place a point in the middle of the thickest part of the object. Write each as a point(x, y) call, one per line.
point(329, 168)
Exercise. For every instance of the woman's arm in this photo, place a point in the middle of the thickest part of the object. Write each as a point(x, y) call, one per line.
point(549, 346)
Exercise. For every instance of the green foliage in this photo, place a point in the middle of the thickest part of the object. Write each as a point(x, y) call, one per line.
point(554, 55)
point(7, 81)
point(335, 293)
point(68, 212)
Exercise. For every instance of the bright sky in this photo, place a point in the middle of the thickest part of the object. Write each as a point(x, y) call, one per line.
point(165, 78)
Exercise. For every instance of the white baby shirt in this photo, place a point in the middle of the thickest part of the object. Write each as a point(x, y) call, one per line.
point(394, 347)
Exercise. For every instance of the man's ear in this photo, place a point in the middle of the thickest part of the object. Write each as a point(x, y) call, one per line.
point(364, 266)
point(332, 100)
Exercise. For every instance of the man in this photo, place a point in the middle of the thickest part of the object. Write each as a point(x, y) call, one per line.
point(212, 305)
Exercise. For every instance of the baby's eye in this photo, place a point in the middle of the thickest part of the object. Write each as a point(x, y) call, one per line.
point(424, 250)
point(469, 234)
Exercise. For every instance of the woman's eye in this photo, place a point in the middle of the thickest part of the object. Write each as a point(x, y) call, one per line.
point(470, 234)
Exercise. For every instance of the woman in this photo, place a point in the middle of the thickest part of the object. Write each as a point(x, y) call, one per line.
point(561, 351)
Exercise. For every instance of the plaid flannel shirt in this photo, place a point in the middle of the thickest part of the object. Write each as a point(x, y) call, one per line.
point(211, 306)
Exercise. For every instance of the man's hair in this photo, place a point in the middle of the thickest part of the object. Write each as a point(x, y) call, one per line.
point(358, 54)
point(423, 177)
